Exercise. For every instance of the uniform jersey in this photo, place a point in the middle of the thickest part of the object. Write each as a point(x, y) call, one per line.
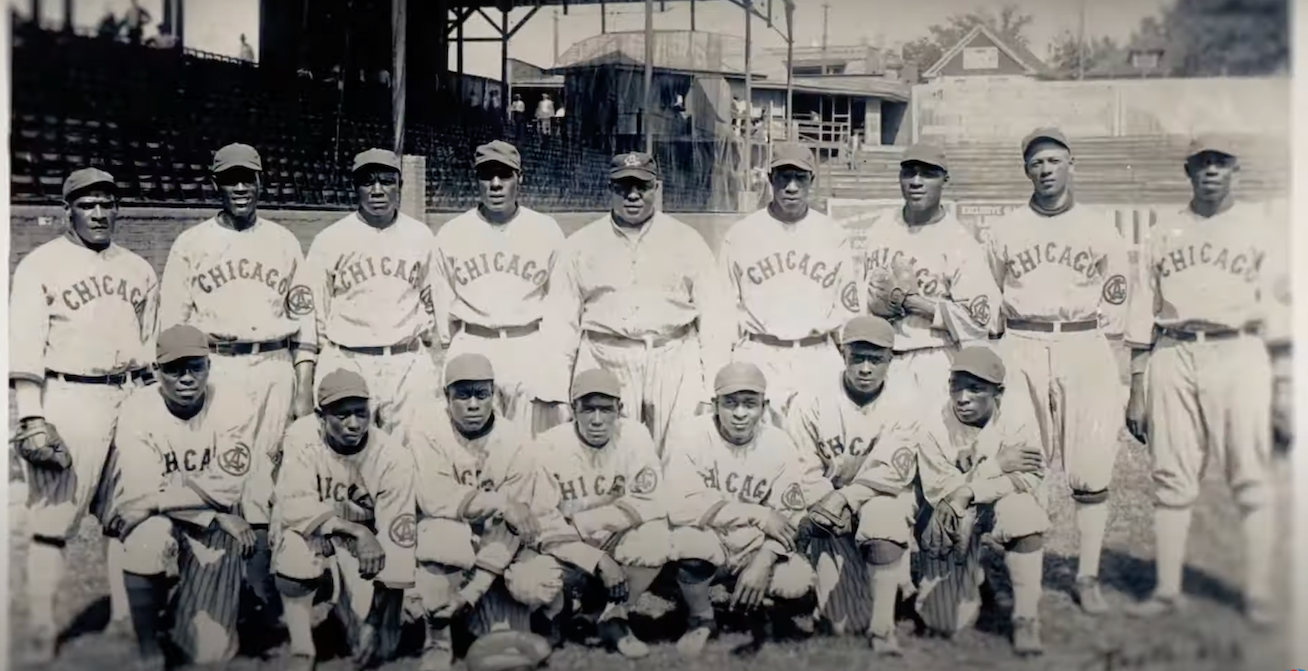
point(942, 437)
point(78, 311)
point(952, 274)
point(370, 287)
point(626, 474)
point(494, 275)
point(235, 285)
point(789, 281)
point(1069, 267)
point(1206, 273)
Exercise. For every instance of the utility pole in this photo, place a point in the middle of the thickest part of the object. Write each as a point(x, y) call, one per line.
point(790, 67)
point(749, 94)
point(556, 37)
point(826, 11)
point(1080, 45)
point(649, 77)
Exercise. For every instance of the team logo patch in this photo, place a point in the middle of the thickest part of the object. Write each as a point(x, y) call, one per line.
point(1115, 290)
point(631, 160)
point(849, 297)
point(299, 300)
point(793, 498)
point(235, 461)
point(138, 306)
point(425, 297)
point(647, 480)
point(980, 310)
point(404, 530)
point(903, 462)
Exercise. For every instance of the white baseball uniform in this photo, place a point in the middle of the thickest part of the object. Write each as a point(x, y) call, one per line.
point(491, 281)
point(953, 275)
point(1064, 283)
point(372, 295)
point(792, 287)
point(646, 304)
point(83, 324)
point(238, 287)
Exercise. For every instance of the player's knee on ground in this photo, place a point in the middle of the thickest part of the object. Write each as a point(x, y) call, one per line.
point(148, 549)
point(881, 552)
point(1018, 515)
point(445, 542)
point(437, 584)
point(647, 546)
point(295, 558)
point(792, 578)
point(534, 581)
point(696, 543)
point(886, 518)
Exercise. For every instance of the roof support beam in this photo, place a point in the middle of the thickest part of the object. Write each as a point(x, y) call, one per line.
point(461, 15)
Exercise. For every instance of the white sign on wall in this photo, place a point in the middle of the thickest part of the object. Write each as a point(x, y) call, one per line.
point(981, 58)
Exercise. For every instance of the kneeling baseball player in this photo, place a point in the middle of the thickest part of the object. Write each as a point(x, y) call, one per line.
point(743, 493)
point(981, 471)
point(177, 474)
point(610, 483)
point(343, 517)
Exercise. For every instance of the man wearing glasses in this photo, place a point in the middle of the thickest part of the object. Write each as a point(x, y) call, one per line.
point(636, 293)
point(369, 285)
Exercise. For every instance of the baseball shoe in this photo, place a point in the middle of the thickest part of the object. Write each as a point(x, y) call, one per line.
point(617, 635)
point(1090, 596)
point(885, 644)
point(1026, 637)
point(1157, 605)
point(698, 633)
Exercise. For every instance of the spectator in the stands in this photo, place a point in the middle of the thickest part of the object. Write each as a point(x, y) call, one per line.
point(518, 109)
point(545, 113)
point(164, 40)
point(135, 20)
point(108, 28)
point(247, 51)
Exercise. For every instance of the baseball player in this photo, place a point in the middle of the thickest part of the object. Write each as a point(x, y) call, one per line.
point(637, 293)
point(231, 276)
point(610, 484)
point(1201, 380)
point(950, 293)
point(980, 468)
point(744, 491)
point(1062, 269)
point(177, 472)
point(81, 336)
point(344, 507)
point(492, 267)
point(370, 289)
point(791, 280)
point(841, 427)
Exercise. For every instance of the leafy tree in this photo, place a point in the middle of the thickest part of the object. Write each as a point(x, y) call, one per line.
point(1009, 24)
point(1226, 37)
point(1066, 55)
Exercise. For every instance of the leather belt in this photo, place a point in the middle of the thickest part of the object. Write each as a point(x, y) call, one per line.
point(242, 348)
point(1207, 334)
point(399, 348)
point(1052, 327)
point(506, 332)
point(648, 341)
point(115, 379)
point(811, 341)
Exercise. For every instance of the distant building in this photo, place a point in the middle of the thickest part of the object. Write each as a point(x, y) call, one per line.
point(982, 53)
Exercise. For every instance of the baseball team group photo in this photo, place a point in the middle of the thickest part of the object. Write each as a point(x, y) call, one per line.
point(830, 345)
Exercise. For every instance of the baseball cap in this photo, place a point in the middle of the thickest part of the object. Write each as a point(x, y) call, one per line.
point(596, 381)
point(870, 329)
point(236, 155)
point(341, 384)
point(980, 362)
point(791, 154)
point(739, 376)
point(634, 164)
point(468, 368)
point(498, 151)
point(926, 154)
point(380, 157)
point(1205, 143)
point(1047, 133)
point(180, 342)
point(86, 178)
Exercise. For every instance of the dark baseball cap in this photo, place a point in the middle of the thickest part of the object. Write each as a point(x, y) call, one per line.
point(792, 155)
point(236, 155)
point(1211, 143)
point(636, 164)
point(85, 178)
point(926, 154)
point(739, 376)
point(498, 151)
point(341, 384)
point(384, 158)
point(870, 329)
point(1047, 134)
point(596, 381)
point(180, 342)
point(980, 362)
point(468, 368)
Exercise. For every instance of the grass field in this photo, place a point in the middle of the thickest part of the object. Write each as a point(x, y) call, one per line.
point(1201, 639)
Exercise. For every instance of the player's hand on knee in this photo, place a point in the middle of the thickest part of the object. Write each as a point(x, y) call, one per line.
point(127, 518)
point(752, 586)
point(520, 519)
point(614, 578)
point(777, 527)
point(241, 530)
point(371, 556)
point(1020, 458)
point(455, 607)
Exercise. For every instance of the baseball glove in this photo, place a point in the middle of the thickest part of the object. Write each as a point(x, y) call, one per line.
point(942, 531)
point(39, 443)
point(507, 651)
point(888, 286)
point(832, 515)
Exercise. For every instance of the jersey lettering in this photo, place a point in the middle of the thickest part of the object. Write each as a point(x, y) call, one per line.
point(471, 269)
point(93, 288)
point(242, 269)
point(779, 263)
point(330, 489)
point(1083, 261)
point(834, 447)
point(746, 487)
point(190, 461)
point(365, 268)
point(1189, 256)
point(574, 488)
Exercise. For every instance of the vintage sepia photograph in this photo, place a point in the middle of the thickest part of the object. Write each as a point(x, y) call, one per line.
point(744, 335)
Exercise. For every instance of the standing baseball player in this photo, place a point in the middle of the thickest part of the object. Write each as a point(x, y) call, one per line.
point(232, 277)
point(345, 507)
point(1062, 269)
point(178, 470)
point(792, 282)
point(492, 267)
point(1201, 380)
point(637, 293)
point(610, 484)
point(81, 336)
point(743, 492)
point(980, 468)
point(949, 294)
point(370, 289)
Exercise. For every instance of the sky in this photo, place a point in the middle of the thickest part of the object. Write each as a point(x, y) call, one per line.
point(215, 25)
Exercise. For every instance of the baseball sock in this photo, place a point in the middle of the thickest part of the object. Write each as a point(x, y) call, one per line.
point(1092, 522)
point(297, 610)
point(695, 589)
point(119, 609)
point(45, 570)
point(884, 579)
point(1026, 571)
point(147, 596)
point(1259, 546)
point(1171, 528)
